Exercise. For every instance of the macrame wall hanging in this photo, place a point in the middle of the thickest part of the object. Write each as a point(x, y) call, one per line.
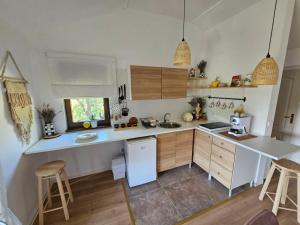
point(18, 100)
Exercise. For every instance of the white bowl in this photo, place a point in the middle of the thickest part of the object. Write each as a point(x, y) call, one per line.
point(86, 136)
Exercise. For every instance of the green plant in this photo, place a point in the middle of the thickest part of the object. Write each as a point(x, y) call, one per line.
point(93, 117)
point(46, 113)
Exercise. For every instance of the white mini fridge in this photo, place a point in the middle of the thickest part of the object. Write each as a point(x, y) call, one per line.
point(140, 156)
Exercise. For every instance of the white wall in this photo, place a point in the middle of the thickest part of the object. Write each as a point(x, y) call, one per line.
point(292, 60)
point(133, 38)
point(236, 45)
point(18, 169)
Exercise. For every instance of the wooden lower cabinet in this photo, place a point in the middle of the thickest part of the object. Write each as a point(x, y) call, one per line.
point(184, 147)
point(166, 152)
point(202, 149)
point(231, 165)
point(174, 149)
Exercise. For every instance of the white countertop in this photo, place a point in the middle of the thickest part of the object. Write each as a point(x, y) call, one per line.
point(265, 146)
point(68, 140)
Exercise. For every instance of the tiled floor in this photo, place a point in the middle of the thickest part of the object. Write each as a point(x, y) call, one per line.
point(175, 195)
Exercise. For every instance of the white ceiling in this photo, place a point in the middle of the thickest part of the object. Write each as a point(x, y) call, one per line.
point(29, 15)
point(174, 8)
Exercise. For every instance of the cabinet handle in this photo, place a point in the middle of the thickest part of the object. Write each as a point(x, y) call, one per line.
point(222, 143)
point(218, 173)
point(220, 157)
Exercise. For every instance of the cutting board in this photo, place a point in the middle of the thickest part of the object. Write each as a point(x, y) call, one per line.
point(241, 138)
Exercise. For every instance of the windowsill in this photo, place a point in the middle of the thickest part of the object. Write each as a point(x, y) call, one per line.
point(89, 129)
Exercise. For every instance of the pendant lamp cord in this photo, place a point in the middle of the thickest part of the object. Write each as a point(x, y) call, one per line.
point(184, 20)
point(268, 55)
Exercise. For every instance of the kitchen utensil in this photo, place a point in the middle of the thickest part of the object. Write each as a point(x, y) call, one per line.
point(224, 105)
point(125, 91)
point(120, 100)
point(212, 104)
point(218, 104)
point(231, 105)
point(125, 111)
point(122, 93)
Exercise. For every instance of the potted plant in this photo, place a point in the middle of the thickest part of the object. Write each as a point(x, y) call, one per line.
point(47, 114)
point(94, 121)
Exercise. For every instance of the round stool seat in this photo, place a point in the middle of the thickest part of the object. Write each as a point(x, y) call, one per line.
point(288, 165)
point(50, 168)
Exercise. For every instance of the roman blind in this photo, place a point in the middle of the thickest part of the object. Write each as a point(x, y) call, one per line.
point(78, 75)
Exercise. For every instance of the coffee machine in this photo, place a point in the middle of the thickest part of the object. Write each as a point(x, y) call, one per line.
point(240, 126)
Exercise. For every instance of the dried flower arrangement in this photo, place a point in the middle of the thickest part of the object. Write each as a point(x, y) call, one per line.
point(47, 113)
point(198, 100)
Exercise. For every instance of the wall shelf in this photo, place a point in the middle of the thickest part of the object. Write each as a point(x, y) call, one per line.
point(201, 87)
point(197, 78)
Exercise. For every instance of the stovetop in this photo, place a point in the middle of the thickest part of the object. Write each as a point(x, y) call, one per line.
point(215, 125)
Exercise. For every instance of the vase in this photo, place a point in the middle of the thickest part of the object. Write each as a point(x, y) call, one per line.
point(49, 129)
point(94, 123)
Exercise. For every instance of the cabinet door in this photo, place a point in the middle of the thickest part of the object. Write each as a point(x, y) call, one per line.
point(184, 147)
point(202, 149)
point(166, 151)
point(145, 82)
point(174, 83)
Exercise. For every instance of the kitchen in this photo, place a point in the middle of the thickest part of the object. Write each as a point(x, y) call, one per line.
point(130, 41)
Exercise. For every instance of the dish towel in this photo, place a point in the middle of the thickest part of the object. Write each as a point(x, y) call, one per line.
point(6, 215)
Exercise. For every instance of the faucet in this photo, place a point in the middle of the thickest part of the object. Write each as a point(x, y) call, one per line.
point(165, 117)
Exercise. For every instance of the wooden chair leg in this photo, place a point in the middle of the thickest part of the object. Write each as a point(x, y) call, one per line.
point(62, 196)
point(68, 185)
point(267, 182)
point(285, 188)
point(40, 201)
point(298, 198)
point(279, 191)
point(49, 198)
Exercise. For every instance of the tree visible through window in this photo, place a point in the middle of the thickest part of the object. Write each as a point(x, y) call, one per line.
point(79, 110)
point(84, 109)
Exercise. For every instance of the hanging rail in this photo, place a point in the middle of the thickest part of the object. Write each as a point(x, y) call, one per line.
point(238, 99)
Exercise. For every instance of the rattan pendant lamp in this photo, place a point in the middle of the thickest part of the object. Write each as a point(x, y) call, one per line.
point(182, 55)
point(266, 72)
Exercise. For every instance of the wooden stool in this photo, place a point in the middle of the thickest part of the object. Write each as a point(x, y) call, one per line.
point(288, 169)
point(46, 172)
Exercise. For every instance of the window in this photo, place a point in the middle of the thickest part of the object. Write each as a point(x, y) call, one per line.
point(79, 110)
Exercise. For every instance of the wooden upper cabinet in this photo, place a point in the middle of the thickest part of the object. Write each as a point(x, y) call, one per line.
point(145, 82)
point(174, 83)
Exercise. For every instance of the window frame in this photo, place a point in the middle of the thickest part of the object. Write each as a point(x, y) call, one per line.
point(71, 126)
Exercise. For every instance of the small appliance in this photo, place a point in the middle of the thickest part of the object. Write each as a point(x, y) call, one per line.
point(240, 126)
point(216, 126)
point(140, 155)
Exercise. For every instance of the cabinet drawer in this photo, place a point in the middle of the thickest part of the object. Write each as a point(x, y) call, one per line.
point(224, 144)
point(202, 161)
point(203, 136)
point(221, 174)
point(222, 157)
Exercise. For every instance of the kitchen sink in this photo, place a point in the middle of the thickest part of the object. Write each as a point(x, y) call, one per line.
point(169, 125)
